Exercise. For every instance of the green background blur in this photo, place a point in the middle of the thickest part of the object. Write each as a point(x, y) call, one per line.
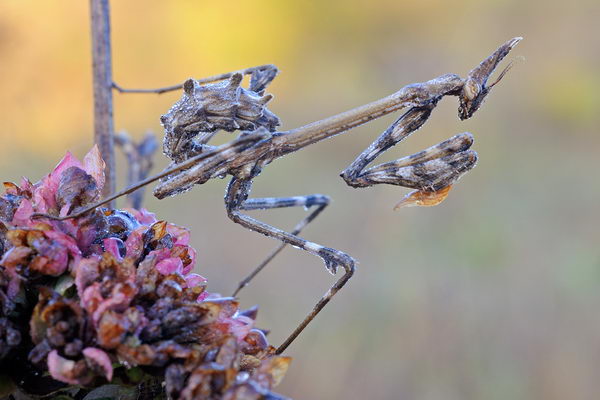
point(494, 294)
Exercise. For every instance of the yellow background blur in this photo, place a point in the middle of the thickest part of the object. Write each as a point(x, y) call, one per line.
point(492, 295)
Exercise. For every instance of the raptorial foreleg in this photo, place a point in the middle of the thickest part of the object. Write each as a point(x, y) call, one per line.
point(428, 171)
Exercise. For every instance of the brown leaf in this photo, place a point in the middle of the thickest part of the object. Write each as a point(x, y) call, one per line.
point(279, 367)
point(424, 198)
point(76, 188)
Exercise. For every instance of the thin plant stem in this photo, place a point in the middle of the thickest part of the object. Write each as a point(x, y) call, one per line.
point(102, 78)
point(202, 81)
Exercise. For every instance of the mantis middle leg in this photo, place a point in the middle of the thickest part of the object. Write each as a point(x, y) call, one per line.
point(315, 200)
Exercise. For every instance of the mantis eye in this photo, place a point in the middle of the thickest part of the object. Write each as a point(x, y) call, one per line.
point(471, 89)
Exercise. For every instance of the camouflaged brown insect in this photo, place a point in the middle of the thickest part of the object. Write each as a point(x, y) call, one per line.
point(207, 108)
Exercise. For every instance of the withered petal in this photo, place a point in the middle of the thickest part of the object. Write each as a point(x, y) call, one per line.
point(76, 188)
point(99, 360)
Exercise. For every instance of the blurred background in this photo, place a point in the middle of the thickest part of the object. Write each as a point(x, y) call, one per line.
point(494, 294)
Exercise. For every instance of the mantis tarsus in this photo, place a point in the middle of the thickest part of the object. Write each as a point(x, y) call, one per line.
point(206, 109)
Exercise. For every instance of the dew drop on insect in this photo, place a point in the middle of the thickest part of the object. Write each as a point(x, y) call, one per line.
point(242, 377)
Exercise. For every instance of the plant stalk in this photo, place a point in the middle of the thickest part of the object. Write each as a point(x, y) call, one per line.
point(102, 80)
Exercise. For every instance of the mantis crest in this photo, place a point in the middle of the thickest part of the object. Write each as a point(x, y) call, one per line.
point(219, 103)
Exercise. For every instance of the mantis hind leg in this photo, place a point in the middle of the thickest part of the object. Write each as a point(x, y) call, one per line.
point(236, 201)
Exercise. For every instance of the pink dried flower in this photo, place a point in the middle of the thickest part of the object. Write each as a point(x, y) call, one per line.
point(116, 286)
point(62, 369)
point(99, 359)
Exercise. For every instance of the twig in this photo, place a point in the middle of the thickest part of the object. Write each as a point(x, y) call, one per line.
point(102, 77)
point(210, 79)
point(139, 160)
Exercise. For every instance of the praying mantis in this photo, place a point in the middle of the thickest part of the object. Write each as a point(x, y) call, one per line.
point(219, 103)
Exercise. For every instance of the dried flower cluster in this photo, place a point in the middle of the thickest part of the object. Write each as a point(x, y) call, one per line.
point(111, 297)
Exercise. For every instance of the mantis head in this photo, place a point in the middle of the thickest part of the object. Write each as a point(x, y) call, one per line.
point(475, 88)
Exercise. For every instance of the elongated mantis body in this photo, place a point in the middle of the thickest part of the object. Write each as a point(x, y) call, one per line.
point(207, 108)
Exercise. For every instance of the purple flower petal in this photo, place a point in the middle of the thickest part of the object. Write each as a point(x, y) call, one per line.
point(26, 185)
point(160, 254)
point(240, 326)
point(98, 358)
point(91, 297)
point(180, 235)
point(45, 191)
point(67, 161)
point(170, 266)
point(190, 267)
point(43, 198)
point(86, 272)
point(15, 256)
point(202, 296)
point(67, 241)
point(112, 245)
point(143, 216)
point(61, 369)
point(118, 300)
point(193, 280)
point(53, 261)
point(76, 188)
point(12, 188)
point(135, 243)
point(22, 216)
point(94, 165)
